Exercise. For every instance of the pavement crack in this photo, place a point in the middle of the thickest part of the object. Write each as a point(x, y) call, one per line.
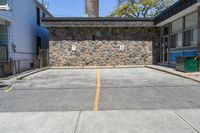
point(187, 122)
point(78, 119)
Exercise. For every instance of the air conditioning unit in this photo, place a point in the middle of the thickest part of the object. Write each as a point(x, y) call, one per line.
point(4, 7)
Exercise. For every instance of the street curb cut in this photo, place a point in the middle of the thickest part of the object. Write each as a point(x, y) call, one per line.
point(176, 74)
point(33, 72)
point(52, 67)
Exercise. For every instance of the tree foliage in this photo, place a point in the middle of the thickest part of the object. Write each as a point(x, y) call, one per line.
point(140, 8)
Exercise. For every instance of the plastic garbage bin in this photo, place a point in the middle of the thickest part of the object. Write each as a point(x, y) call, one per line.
point(187, 64)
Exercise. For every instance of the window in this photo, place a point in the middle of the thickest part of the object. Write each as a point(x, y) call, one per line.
point(38, 15)
point(43, 15)
point(3, 42)
point(190, 33)
point(177, 25)
point(166, 30)
point(3, 35)
point(3, 2)
point(3, 53)
point(191, 20)
point(190, 37)
point(176, 40)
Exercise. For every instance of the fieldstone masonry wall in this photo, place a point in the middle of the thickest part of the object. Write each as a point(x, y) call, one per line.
point(93, 48)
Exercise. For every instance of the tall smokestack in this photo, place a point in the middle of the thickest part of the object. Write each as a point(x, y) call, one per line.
point(92, 8)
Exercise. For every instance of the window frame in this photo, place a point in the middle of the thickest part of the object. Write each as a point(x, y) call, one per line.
point(193, 28)
point(183, 30)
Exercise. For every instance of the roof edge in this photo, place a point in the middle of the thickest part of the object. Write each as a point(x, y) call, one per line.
point(96, 19)
point(41, 6)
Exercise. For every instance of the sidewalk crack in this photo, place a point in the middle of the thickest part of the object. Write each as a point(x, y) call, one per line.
point(76, 126)
point(187, 122)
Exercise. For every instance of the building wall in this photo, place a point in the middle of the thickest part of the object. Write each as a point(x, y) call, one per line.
point(101, 46)
point(183, 37)
point(23, 30)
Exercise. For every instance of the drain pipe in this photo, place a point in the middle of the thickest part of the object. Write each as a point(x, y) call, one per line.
point(198, 42)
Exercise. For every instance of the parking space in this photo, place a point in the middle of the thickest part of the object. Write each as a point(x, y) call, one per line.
point(146, 89)
point(51, 90)
point(118, 89)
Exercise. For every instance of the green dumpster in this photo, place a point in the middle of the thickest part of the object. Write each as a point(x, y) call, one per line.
point(187, 64)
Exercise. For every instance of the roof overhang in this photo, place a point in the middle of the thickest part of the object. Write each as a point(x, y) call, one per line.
point(180, 14)
point(4, 20)
point(97, 22)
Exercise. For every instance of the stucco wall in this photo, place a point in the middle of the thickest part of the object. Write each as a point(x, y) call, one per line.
point(101, 46)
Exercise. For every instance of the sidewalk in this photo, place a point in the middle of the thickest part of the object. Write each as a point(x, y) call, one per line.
point(146, 121)
point(192, 76)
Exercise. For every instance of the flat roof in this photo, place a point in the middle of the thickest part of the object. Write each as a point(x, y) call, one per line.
point(96, 19)
point(174, 9)
point(97, 22)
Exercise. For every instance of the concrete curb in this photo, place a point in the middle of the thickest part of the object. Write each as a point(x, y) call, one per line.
point(7, 78)
point(20, 74)
point(98, 67)
point(30, 73)
point(176, 73)
point(68, 67)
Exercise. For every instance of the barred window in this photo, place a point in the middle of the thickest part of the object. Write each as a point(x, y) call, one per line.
point(190, 37)
point(3, 35)
point(3, 53)
point(176, 40)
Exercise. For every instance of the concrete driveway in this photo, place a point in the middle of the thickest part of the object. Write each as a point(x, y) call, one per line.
point(127, 100)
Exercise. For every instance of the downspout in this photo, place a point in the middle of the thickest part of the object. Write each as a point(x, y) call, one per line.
point(198, 42)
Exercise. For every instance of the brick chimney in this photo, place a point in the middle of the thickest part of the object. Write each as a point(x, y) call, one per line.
point(92, 8)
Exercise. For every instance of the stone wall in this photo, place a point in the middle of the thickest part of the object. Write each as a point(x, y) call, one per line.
point(101, 46)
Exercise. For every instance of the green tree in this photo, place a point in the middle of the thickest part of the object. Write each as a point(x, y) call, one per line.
point(140, 8)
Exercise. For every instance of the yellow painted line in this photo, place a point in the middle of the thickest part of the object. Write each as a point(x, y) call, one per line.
point(9, 88)
point(98, 89)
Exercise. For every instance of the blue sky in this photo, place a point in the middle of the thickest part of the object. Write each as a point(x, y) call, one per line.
point(76, 8)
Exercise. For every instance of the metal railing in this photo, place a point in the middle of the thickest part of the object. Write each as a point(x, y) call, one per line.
point(15, 67)
point(3, 53)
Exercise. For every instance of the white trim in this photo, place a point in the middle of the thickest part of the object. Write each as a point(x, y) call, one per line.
point(183, 51)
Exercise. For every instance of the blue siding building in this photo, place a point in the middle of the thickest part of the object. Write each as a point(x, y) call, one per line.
point(21, 32)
